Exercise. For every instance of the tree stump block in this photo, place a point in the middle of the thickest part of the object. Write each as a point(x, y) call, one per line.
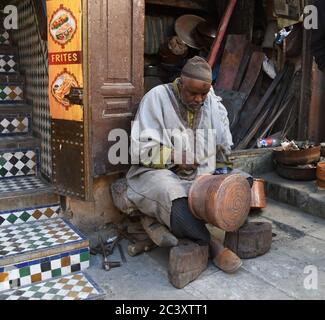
point(250, 241)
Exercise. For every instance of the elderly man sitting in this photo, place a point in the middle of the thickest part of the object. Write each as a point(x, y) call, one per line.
point(168, 163)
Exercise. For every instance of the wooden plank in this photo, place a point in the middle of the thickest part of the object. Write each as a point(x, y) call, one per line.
point(231, 60)
point(249, 121)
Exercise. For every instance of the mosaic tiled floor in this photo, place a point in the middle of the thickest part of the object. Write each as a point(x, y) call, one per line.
point(8, 218)
point(22, 184)
point(18, 163)
point(14, 124)
point(8, 63)
point(77, 286)
point(17, 239)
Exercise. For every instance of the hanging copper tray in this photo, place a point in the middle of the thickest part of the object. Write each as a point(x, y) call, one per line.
point(297, 157)
point(297, 173)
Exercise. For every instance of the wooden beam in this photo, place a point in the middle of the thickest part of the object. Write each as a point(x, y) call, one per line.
point(186, 4)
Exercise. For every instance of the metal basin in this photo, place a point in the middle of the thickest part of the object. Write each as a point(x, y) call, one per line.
point(299, 173)
point(298, 157)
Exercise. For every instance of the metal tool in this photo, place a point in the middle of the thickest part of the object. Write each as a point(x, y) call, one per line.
point(106, 264)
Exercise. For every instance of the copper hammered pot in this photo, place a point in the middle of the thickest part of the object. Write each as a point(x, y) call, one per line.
point(223, 201)
point(321, 175)
point(258, 194)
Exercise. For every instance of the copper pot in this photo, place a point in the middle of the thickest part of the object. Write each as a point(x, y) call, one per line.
point(221, 200)
point(320, 173)
point(258, 194)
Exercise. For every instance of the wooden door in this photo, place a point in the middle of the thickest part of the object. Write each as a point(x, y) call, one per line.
point(115, 55)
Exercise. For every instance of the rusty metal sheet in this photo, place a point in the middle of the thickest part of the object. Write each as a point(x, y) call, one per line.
point(68, 158)
point(232, 57)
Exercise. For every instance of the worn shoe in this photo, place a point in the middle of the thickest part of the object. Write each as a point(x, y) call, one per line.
point(227, 261)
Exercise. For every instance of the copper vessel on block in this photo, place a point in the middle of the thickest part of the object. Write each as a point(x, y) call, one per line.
point(258, 194)
point(224, 201)
point(321, 175)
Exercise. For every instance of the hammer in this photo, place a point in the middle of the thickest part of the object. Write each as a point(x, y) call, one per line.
point(106, 264)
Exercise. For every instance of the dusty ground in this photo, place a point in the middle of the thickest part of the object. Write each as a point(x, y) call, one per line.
point(298, 247)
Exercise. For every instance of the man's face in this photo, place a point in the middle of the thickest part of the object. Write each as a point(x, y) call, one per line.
point(194, 92)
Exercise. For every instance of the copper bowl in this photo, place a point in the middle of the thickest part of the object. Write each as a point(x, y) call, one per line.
point(321, 174)
point(258, 194)
point(298, 157)
point(297, 173)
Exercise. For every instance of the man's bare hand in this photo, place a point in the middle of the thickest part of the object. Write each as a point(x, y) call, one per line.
point(185, 161)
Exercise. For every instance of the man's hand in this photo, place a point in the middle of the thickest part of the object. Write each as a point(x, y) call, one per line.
point(222, 154)
point(185, 161)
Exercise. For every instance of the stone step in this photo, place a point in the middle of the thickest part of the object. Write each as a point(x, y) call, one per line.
point(8, 49)
point(19, 142)
point(19, 156)
point(41, 250)
point(26, 192)
point(8, 63)
point(303, 195)
point(15, 121)
point(4, 37)
point(19, 216)
point(12, 78)
point(11, 92)
point(77, 286)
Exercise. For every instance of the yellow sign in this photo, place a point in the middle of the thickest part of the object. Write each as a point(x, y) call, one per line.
point(65, 56)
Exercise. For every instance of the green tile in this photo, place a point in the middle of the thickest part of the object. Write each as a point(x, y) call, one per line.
point(12, 218)
point(84, 256)
point(25, 216)
point(56, 273)
point(3, 172)
point(2, 161)
point(24, 272)
point(38, 295)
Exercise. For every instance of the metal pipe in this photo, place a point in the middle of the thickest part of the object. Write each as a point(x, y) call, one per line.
point(221, 32)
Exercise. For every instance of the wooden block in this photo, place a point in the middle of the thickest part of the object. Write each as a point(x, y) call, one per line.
point(158, 233)
point(252, 240)
point(186, 263)
point(140, 247)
